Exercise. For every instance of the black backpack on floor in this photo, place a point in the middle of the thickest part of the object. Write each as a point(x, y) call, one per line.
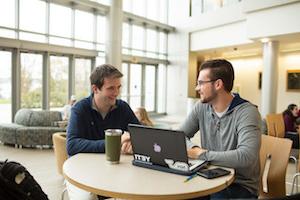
point(16, 183)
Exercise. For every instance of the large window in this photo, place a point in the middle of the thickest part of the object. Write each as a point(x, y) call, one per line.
point(138, 38)
point(33, 21)
point(161, 90)
point(101, 36)
point(140, 86)
point(163, 41)
point(44, 69)
point(144, 41)
point(124, 88)
point(7, 14)
point(45, 22)
point(84, 29)
point(152, 41)
point(147, 43)
point(126, 38)
point(59, 66)
point(31, 80)
point(153, 9)
point(201, 6)
point(60, 27)
point(135, 85)
point(82, 74)
point(150, 77)
point(138, 7)
point(5, 86)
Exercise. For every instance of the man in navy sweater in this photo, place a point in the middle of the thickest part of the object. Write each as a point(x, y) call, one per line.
point(96, 113)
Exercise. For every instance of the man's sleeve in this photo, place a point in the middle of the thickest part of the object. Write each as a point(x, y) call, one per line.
point(248, 142)
point(76, 142)
point(191, 125)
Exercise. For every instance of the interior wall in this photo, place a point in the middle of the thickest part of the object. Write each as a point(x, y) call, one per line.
point(287, 61)
point(247, 78)
point(229, 35)
point(279, 20)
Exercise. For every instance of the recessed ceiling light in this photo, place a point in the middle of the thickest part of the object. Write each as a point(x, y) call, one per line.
point(264, 40)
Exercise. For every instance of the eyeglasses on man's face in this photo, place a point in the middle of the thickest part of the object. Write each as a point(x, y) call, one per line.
point(199, 82)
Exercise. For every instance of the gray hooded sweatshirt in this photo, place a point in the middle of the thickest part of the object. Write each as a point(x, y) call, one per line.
point(232, 140)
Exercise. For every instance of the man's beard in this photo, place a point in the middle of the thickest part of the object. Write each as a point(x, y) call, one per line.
point(209, 98)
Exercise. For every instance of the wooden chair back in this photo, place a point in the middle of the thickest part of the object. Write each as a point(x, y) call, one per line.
point(274, 157)
point(60, 150)
point(275, 125)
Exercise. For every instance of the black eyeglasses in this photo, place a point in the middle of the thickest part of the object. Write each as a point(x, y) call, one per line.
point(199, 83)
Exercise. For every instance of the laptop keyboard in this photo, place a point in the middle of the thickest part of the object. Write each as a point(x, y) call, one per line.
point(195, 163)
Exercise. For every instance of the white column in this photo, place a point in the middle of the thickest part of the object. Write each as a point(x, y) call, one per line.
point(114, 34)
point(269, 78)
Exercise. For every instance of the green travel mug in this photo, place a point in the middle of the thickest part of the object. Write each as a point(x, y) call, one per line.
point(113, 145)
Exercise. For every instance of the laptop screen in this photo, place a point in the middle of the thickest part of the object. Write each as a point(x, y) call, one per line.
point(157, 146)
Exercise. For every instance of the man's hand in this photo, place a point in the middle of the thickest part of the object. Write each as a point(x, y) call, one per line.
point(126, 148)
point(195, 152)
point(125, 137)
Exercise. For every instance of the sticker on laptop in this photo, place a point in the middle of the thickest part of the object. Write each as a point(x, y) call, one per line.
point(142, 158)
point(177, 165)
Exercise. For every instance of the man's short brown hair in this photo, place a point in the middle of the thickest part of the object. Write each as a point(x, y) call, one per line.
point(104, 71)
point(220, 69)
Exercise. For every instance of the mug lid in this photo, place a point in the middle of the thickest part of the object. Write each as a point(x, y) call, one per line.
point(113, 132)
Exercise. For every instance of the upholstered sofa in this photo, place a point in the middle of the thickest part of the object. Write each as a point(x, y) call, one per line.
point(31, 128)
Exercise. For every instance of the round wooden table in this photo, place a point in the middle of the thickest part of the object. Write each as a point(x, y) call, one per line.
point(92, 173)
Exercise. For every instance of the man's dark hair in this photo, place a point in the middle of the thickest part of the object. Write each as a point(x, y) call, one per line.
point(220, 69)
point(104, 71)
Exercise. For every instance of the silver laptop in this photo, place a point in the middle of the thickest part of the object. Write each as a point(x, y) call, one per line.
point(162, 149)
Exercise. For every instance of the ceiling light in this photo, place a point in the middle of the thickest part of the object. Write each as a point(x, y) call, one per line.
point(264, 40)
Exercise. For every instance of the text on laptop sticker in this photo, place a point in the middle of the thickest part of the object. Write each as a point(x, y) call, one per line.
point(142, 158)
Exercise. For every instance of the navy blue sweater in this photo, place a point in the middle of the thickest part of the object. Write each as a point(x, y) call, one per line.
point(86, 126)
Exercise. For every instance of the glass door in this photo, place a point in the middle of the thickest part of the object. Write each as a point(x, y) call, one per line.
point(135, 85)
point(31, 80)
point(150, 87)
point(59, 68)
point(82, 75)
point(5, 86)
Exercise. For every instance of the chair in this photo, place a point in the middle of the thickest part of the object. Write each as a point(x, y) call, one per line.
point(276, 128)
point(60, 151)
point(274, 157)
point(275, 125)
point(295, 180)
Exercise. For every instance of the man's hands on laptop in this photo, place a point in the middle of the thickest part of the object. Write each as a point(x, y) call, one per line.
point(126, 147)
point(195, 152)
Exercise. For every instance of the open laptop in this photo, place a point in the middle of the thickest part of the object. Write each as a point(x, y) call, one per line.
point(162, 149)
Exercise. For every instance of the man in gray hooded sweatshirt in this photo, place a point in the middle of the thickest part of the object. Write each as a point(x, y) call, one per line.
point(229, 129)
